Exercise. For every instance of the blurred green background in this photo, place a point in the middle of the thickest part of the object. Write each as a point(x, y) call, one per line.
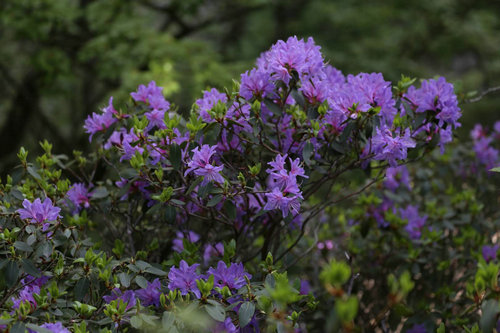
point(60, 60)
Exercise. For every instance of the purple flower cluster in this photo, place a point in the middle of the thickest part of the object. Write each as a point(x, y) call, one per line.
point(151, 294)
point(38, 212)
point(200, 165)
point(485, 153)
point(285, 193)
point(178, 245)
point(56, 327)
point(438, 97)
point(184, 278)
point(389, 146)
point(100, 122)
point(415, 221)
point(256, 83)
point(490, 252)
point(31, 286)
point(210, 99)
point(294, 55)
point(233, 276)
point(153, 96)
point(396, 177)
point(79, 195)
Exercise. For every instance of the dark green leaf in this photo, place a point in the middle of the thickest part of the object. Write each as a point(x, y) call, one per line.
point(22, 246)
point(245, 313)
point(11, 273)
point(193, 185)
point(141, 281)
point(215, 200)
point(230, 209)
point(307, 152)
point(33, 173)
point(175, 156)
point(217, 312)
point(124, 279)
point(155, 271)
point(100, 192)
point(81, 288)
point(205, 190)
point(30, 268)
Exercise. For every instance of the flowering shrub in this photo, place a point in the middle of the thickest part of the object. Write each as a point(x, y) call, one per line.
point(300, 200)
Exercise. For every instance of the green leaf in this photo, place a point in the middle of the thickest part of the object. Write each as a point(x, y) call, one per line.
point(11, 273)
point(18, 328)
point(124, 279)
point(22, 246)
point(81, 288)
point(175, 156)
point(230, 209)
point(497, 169)
point(141, 281)
point(136, 322)
point(205, 190)
point(307, 152)
point(274, 108)
point(217, 312)
point(488, 319)
point(30, 268)
point(170, 214)
point(155, 271)
point(215, 200)
point(38, 328)
point(194, 184)
point(33, 173)
point(167, 321)
point(245, 313)
point(100, 192)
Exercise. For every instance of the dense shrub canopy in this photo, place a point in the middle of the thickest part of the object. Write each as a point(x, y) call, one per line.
point(301, 199)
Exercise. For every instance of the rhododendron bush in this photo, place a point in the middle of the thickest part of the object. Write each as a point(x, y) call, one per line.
point(299, 200)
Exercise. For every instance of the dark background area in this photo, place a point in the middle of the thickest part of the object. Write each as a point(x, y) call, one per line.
point(60, 60)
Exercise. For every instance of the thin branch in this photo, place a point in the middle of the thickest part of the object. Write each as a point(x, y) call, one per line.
point(484, 93)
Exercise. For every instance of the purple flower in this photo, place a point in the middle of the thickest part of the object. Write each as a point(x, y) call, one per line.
point(128, 297)
point(436, 95)
point(486, 154)
point(31, 286)
point(348, 102)
point(155, 118)
point(293, 55)
point(209, 100)
point(417, 328)
point(372, 89)
point(79, 195)
point(397, 176)
point(391, 148)
point(184, 278)
point(100, 122)
point(478, 132)
point(56, 327)
point(200, 165)
point(213, 251)
point(151, 294)
point(178, 244)
point(144, 93)
point(415, 222)
point(489, 252)
point(315, 90)
point(226, 326)
point(333, 76)
point(285, 193)
point(496, 127)
point(305, 287)
point(233, 276)
point(255, 83)
point(39, 212)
